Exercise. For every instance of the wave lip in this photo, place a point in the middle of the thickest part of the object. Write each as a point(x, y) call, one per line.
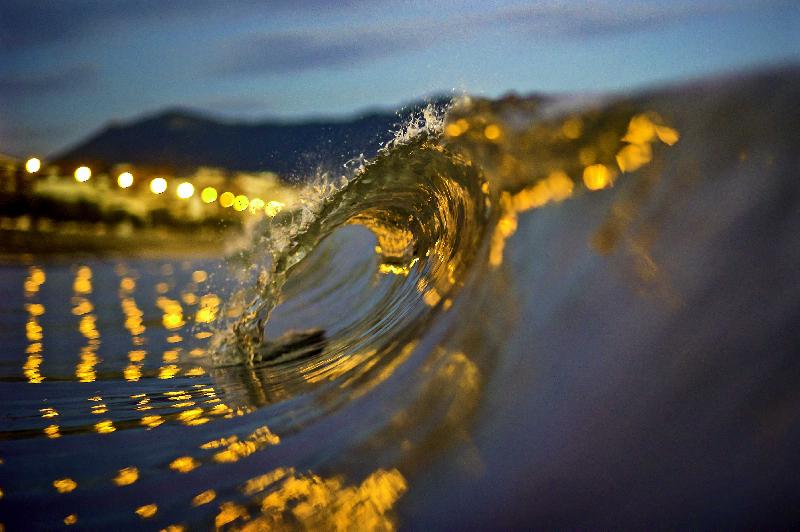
point(427, 211)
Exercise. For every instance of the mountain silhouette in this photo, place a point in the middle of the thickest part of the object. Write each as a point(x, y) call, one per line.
point(181, 140)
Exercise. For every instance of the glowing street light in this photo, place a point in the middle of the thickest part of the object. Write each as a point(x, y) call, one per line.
point(33, 165)
point(125, 179)
point(209, 194)
point(185, 190)
point(158, 185)
point(82, 174)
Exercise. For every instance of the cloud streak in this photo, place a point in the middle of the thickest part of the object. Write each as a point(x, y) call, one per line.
point(300, 51)
point(293, 52)
point(28, 24)
point(588, 20)
point(47, 83)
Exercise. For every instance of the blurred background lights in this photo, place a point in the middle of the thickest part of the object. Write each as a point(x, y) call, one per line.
point(185, 190)
point(158, 185)
point(597, 177)
point(125, 179)
point(83, 174)
point(241, 202)
point(273, 208)
point(33, 165)
point(209, 194)
point(226, 199)
point(256, 204)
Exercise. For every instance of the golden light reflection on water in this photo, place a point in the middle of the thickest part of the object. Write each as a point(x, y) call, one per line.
point(147, 511)
point(104, 427)
point(126, 476)
point(204, 497)
point(65, 485)
point(168, 372)
point(152, 421)
point(313, 502)
point(228, 513)
point(208, 309)
point(193, 416)
point(172, 318)
point(87, 325)
point(237, 449)
point(260, 483)
point(52, 431)
point(229, 450)
point(33, 330)
point(184, 464)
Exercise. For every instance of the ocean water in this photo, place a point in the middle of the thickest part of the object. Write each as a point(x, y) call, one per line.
point(529, 312)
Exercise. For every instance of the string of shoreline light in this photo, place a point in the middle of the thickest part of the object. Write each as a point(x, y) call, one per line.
point(184, 190)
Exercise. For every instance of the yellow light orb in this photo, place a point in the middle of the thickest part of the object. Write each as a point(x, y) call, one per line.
point(226, 199)
point(185, 190)
point(82, 174)
point(158, 185)
point(492, 132)
point(33, 165)
point(597, 177)
point(125, 179)
point(241, 202)
point(256, 204)
point(209, 194)
point(273, 208)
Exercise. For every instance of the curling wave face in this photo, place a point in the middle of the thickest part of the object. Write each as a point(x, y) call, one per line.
point(533, 311)
point(428, 210)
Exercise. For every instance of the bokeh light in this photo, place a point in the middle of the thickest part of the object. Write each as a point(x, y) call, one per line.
point(273, 208)
point(185, 190)
point(33, 165)
point(209, 195)
point(226, 199)
point(492, 132)
point(241, 202)
point(597, 177)
point(256, 204)
point(82, 174)
point(158, 185)
point(125, 179)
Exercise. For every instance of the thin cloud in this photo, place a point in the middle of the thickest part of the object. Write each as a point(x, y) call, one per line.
point(46, 83)
point(28, 24)
point(294, 52)
point(299, 51)
point(589, 20)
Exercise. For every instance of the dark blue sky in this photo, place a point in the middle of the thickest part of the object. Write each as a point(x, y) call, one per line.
point(67, 67)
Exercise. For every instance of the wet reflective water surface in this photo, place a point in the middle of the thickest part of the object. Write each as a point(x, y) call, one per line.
point(527, 312)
